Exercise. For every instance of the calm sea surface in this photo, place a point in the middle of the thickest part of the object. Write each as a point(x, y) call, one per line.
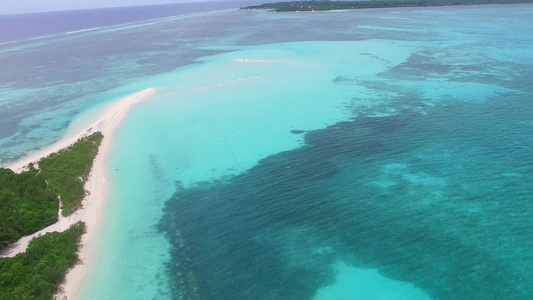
point(369, 154)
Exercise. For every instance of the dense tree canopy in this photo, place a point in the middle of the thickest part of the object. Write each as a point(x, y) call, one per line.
point(26, 204)
point(38, 272)
point(29, 200)
point(67, 170)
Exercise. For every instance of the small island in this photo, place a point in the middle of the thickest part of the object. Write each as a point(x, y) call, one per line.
point(297, 6)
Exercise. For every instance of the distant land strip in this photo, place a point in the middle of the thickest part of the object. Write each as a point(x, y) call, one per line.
point(295, 6)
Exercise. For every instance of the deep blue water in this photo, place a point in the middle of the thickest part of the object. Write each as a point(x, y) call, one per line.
point(27, 26)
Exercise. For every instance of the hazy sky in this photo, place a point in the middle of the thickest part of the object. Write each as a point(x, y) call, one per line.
point(24, 6)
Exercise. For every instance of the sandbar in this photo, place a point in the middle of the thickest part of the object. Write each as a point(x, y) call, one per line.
point(253, 60)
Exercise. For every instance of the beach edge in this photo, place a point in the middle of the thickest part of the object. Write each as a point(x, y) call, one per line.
point(97, 187)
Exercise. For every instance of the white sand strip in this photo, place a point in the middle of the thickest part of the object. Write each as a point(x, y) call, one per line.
point(20, 246)
point(97, 186)
point(112, 111)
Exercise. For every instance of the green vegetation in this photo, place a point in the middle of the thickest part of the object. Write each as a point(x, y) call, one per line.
point(26, 205)
point(29, 200)
point(37, 273)
point(335, 5)
point(29, 203)
point(67, 170)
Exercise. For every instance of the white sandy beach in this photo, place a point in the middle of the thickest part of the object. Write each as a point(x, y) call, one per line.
point(93, 205)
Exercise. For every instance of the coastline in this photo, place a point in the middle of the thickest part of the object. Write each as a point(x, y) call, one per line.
point(115, 110)
point(97, 186)
point(107, 123)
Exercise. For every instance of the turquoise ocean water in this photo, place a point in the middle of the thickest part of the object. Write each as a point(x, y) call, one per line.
point(371, 154)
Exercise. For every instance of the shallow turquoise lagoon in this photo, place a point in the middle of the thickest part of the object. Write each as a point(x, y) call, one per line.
point(373, 154)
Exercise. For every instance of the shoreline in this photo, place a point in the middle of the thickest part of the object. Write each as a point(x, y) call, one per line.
point(107, 122)
point(98, 124)
point(97, 186)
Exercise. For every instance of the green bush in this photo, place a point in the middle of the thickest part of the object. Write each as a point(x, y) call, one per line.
point(67, 170)
point(38, 272)
point(29, 200)
point(26, 204)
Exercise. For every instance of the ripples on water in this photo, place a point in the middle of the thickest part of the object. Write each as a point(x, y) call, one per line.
point(441, 200)
point(425, 192)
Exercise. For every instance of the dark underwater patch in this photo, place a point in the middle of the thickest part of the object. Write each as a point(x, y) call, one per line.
point(262, 234)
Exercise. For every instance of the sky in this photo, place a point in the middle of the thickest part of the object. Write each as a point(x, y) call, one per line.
point(27, 6)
